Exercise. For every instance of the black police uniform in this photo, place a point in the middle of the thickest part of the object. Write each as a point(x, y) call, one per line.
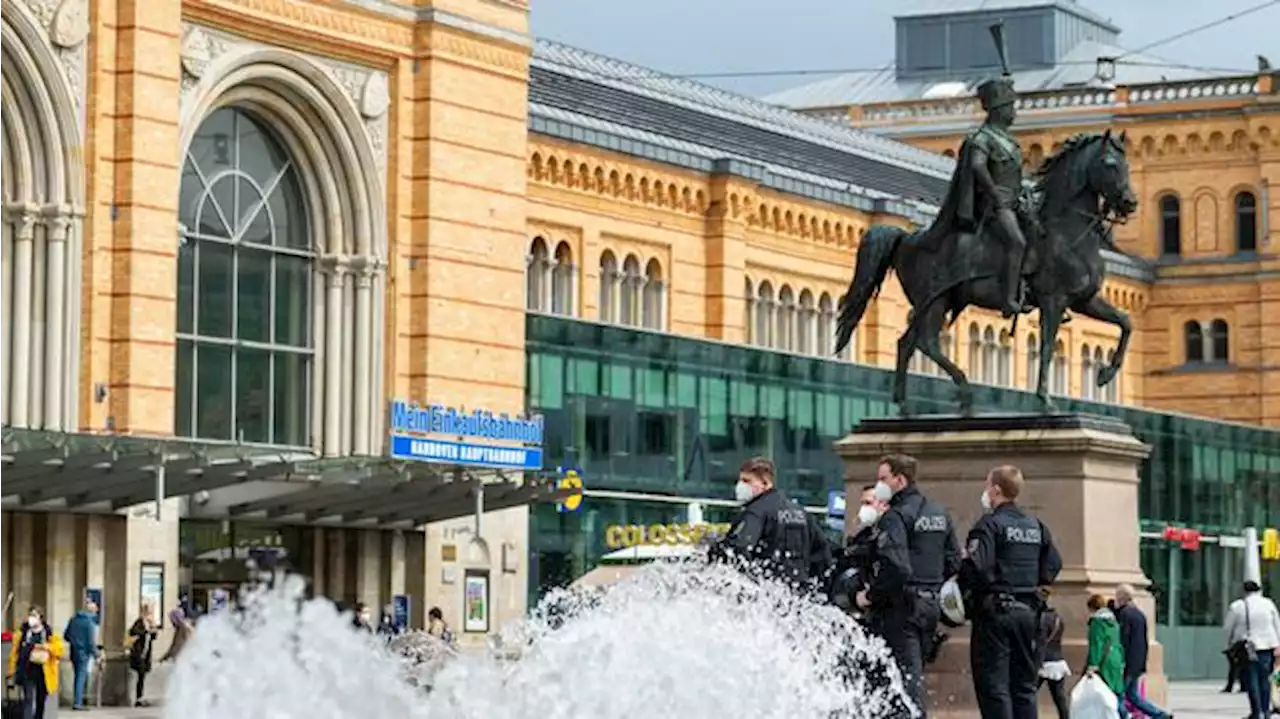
point(917, 552)
point(775, 532)
point(1010, 555)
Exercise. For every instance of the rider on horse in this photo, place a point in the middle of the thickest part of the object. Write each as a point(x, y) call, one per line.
point(987, 197)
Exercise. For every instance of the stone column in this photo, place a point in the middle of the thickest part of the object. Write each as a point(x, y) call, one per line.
point(57, 222)
point(19, 385)
point(335, 270)
point(1082, 481)
point(336, 556)
point(369, 567)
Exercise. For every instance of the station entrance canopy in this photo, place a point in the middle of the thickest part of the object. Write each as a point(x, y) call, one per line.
point(89, 472)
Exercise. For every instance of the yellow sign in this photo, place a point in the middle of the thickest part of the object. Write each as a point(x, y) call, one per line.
point(1271, 545)
point(619, 536)
point(571, 480)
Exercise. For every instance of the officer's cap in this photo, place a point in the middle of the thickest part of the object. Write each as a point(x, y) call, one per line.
point(997, 92)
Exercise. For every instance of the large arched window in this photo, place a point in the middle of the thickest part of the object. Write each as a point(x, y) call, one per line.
point(1099, 393)
point(989, 353)
point(786, 318)
point(806, 324)
point(1219, 349)
point(1061, 363)
point(826, 325)
point(1004, 374)
point(246, 342)
point(1033, 362)
point(562, 275)
point(655, 297)
point(1170, 225)
point(629, 292)
point(608, 287)
point(764, 314)
point(749, 312)
point(1087, 371)
point(1113, 394)
point(1193, 339)
point(1246, 222)
point(975, 354)
point(535, 275)
point(847, 352)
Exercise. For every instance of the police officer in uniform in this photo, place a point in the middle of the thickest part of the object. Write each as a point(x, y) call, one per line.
point(916, 551)
point(1009, 556)
point(855, 563)
point(771, 530)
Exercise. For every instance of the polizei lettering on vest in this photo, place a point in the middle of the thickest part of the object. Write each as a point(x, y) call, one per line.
point(1020, 535)
point(931, 523)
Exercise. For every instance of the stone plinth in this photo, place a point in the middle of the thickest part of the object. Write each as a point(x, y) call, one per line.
point(1082, 481)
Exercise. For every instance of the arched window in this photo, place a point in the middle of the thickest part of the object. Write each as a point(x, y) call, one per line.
point(806, 324)
point(1033, 362)
point(786, 318)
point(246, 333)
point(1098, 363)
point(535, 275)
point(655, 297)
point(826, 325)
point(845, 354)
point(1219, 342)
point(974, 370)
point(989, 361)
point(562, 275)
point(1113, 390)
point(608, 287)
point(749, 312)
point(1170, 225)
point(1193, 338)
point(1246, 222)
point(1004, 373)
point(764, 315)
point(1061, 363)
point(1086, 372)
point(629, 292)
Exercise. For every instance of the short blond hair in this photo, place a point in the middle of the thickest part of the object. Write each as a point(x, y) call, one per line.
point(1009, 479)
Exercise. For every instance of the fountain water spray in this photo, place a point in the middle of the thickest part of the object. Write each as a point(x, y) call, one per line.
point(676, 638)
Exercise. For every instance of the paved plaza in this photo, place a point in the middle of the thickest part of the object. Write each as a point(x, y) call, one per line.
point(1190, 700)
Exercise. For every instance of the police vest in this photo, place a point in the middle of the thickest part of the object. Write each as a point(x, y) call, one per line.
point(927, 526)
point(1018, 541)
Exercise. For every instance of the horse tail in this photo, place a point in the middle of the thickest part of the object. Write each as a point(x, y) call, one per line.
point(875, 257)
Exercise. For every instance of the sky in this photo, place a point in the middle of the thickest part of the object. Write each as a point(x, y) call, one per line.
point(710, 36)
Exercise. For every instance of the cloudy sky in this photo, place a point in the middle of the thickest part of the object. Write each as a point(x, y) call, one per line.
point(719, 36)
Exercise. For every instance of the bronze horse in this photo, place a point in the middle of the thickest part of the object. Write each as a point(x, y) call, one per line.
point(1081, 190)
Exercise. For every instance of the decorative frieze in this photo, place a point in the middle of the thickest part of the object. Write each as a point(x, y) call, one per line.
point(66, 26)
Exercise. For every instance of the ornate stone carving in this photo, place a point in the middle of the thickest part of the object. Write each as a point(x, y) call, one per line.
point(197, 52)
point(70, 24)
point(375, 97)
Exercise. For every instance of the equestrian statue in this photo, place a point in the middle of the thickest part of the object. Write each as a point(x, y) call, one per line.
point(1003, 244)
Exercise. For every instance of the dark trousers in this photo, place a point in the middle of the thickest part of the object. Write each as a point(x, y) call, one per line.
point(1057, 690)
point(1256, 677)
point(34, 696)
point(1233, 672)
point(141, 686)
point(909, 630)
point(1002, 656)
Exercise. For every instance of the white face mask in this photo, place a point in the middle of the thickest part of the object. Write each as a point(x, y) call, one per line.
point(883, 491)
point(33, 620)
point(986, 500)
point(743, 492)
point(867, 515)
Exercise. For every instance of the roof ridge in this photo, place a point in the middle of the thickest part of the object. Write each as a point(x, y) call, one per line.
point(773, 117)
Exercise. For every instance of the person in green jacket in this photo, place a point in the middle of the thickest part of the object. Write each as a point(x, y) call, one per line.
point(1106, 654)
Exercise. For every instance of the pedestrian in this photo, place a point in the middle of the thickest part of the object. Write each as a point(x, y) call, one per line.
point(437, 627)
point(854, 565)
point(1105, 657)
point(771, 532)
point(362, 618)
point(1253, 632)
point(1009, 555)
point(141, 641)
point(917, 551)
point(182, 631)
point(1054, 669)
point(1134, 640)
point(82, 637)
point(33, 662)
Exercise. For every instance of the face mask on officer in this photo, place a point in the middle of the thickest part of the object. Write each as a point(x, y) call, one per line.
point(888, 483)
point(986, 499)
point(868, 515)
point(743, 492)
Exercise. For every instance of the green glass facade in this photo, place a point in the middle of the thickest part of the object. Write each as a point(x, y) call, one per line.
point(642, 412)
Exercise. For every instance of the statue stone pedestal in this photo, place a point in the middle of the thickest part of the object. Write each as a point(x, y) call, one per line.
point(1082, 481)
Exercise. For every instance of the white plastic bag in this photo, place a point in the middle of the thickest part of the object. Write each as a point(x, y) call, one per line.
point(1093, 699)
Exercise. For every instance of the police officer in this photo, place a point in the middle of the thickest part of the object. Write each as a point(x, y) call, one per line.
point(916, 551)
point(1009, 556)
point(772, 530)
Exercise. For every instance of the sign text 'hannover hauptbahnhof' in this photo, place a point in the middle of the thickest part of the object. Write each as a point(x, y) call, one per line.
point(436, 433)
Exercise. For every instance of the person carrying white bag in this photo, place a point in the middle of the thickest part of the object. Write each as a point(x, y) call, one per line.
point(1097, 696)
point(1093, 699)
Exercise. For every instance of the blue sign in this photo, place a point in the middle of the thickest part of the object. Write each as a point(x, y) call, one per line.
point(401, 605)
point(410, 422)
point(836, 504)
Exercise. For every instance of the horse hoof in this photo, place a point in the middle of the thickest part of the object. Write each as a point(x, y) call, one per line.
point(1105, 375)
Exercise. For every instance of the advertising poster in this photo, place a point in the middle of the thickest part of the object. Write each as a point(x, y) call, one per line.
point(475, 601)
point(151, 589)
point(401, 605)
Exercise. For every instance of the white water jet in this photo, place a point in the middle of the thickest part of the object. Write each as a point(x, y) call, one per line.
point(673, 639)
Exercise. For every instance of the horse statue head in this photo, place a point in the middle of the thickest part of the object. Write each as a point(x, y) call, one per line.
point(1090, 174)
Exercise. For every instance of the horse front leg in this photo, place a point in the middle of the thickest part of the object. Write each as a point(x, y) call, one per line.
point(1100, 309)
point(906, 348)
point(932, 320)
point(1050, 320)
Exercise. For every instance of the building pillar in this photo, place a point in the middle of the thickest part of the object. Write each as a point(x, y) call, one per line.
point(369, 567)
point(415, 577)
point(726, 253)
point(336, 565)
point(396, 555)
point(60, 568)
point(316, 535)
point(23, 567)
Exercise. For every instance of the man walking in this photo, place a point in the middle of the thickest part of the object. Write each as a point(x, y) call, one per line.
point(1134, 641)
point(82, 635)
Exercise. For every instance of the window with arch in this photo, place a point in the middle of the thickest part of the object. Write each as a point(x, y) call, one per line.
point(629, 292)
point(655, 297)
point(1061, 364)
point(1246, 222)
point(764, 314)
point(826, 333)
point(1087, 372)
point(847, 352)
point(246, 346)
point(563, 273)
point(1193, 339)
point(537, 265)
point(1099, 393)
point(806, 325)
point(1170, 225)
point(990, 351)
point(1112, 391)
point(1004, 370)
point(749, 311)
point(609, 278)
point(1219, 349)
point(786, 318)
point(975, 371)
point(1033, 362)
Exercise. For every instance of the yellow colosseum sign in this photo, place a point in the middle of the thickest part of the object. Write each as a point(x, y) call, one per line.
point(620, 536)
